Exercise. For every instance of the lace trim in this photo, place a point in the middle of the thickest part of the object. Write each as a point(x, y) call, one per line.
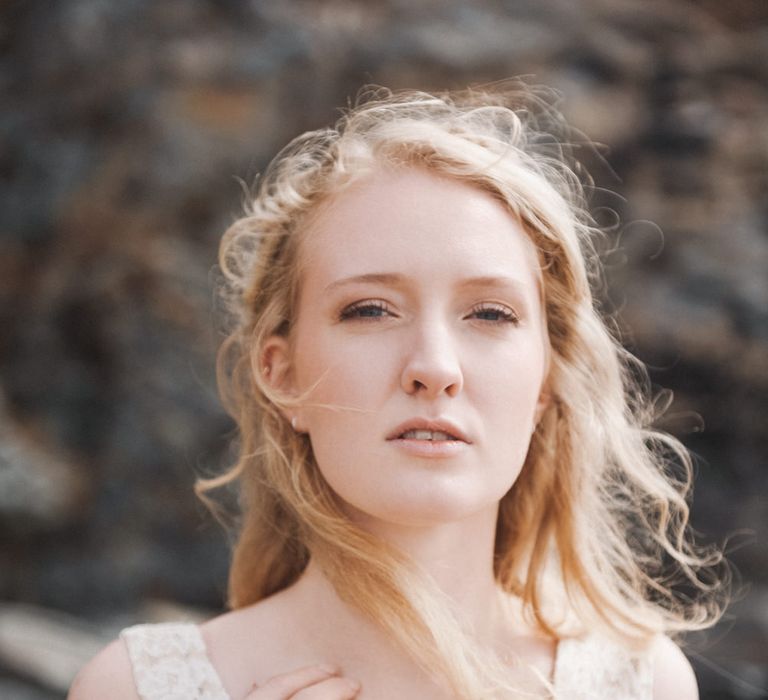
point(170, 663)
point(594, 668)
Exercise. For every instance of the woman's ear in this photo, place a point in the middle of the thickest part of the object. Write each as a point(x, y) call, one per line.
point(272, 363)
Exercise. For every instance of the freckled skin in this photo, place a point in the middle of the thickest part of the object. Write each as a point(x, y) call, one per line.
point(429, 340)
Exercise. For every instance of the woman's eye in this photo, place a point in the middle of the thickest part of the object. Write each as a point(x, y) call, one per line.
point(494, 314)
point(364, 310)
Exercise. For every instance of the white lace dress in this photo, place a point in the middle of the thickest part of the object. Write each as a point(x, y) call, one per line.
point(170, 662)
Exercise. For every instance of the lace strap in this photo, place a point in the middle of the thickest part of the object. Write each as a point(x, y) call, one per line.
point(594, 668)
point(169, 662)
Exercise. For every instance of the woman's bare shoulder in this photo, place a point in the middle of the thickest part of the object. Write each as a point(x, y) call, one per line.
point(260, 628)
point(251, 644)
point(673, 676)
point(108, 674)
point(263, 620)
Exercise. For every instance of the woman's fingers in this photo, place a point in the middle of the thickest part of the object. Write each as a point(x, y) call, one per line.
point(309, 683)
point(333, 688)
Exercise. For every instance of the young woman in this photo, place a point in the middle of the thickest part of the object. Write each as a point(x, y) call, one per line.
point(450, 485)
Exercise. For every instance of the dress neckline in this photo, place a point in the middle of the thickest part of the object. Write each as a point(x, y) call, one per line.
point(559, 653)
point(172, 658)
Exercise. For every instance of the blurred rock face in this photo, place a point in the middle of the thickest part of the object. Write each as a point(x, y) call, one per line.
point(123, 128)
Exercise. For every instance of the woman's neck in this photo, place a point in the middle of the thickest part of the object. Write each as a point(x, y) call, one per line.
point(457, 556)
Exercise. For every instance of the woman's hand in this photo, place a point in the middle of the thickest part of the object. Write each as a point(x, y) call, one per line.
point(321, 682)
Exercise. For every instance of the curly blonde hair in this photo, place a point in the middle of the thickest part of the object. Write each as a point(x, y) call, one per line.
point(594, 531)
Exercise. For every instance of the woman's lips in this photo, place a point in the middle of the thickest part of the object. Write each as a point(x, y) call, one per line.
point(429, 448)
point(429, 430)
point(427, 435)
point(422, 437)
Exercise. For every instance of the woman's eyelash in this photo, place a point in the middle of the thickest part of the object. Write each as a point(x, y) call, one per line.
point(376, 309)
point(364, 310)
point(494, 313)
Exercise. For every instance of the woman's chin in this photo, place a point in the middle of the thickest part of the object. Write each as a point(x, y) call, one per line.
point(421, 510)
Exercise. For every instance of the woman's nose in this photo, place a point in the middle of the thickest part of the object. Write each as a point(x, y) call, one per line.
point(432, 367)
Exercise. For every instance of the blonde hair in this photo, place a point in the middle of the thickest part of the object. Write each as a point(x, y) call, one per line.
point(594, 529)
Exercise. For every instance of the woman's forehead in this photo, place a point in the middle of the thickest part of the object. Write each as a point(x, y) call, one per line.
point(412, 220)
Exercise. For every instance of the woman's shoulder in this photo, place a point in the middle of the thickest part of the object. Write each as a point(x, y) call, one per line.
point(151, 661)
point(249, 645)
point(659, 672)
point(673, 676)
point(108, 674)
point(133, 666)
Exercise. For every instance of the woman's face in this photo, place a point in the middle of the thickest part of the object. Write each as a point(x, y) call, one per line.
point(420, 327)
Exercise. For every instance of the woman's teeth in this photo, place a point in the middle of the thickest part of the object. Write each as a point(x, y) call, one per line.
point(426, 435)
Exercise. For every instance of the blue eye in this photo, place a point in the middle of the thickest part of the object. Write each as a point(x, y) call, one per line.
point(364, 310)
point(494, 313)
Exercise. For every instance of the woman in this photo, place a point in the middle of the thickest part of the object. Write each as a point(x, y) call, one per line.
point(449, 483)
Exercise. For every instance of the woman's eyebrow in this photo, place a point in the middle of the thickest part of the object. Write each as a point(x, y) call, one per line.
point(494, 281)
point(391, 279)
point(504, 282)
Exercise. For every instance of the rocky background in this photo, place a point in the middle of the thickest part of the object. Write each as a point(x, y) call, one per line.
point(124, 126)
